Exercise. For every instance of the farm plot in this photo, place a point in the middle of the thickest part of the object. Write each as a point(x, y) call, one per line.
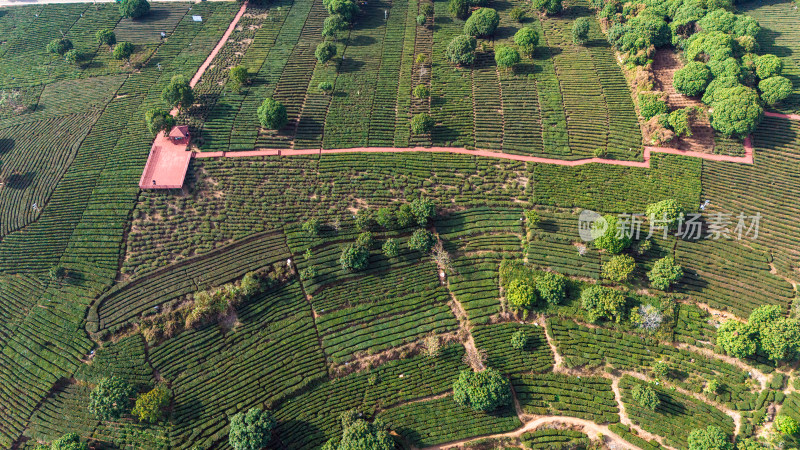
point(555, 243)
point(147, 30)
point(589, 398)
point(535, 356)
point(675, 416)
point(124, 358)
point(552, 438)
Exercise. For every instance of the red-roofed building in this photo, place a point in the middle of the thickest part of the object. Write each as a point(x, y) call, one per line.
point(180, 134)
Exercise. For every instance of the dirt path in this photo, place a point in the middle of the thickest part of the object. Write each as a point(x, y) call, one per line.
point(473, 356)
point(557, 358)
point(625, 420)
point(220, 44)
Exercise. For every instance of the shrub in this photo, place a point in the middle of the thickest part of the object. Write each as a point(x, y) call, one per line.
point(552, 287)
point(550, 7)
point(679, 121)
point(520, 295)
point(364, 239)
point(527, 39)
point(482, 391)
point(421, 19)
point(309, 273)
point(251, 430)
point(667, 209)
point(786, 425)
point(506, 57)
point(347, 9)
point(482, 23)
point(325, 52)
point(422, 91)
point(353, 258)
point(177, 93)
point(461, 50)
point(239, 76)
point(333, 25)
point(651, 105)
point(106, 37)
point(517, 14)
point(619, 268)
point(69, 441)
point(312, 226)
point(712, 387)
point(611, 240)
point(459, 8)
point(272, 114)
point(158, 120)
point(518, 340)
point(59, 46)
point(421, 241)
point(110, 399)
point(426, 9)
point(664, 273)
point(390, 248)
point(709, 438)
point(150, 405)
point(692, 79)
point(134, 9)
point(123, 50)
point(359, 434)
point(768, 66)
point(531, 217)
point(646, 396)
point(601, 302)
point(580, 31)
point(647, 317)
point(660, 369)
point(736, 111)
point(424, 209)
point(775, 89)
point(325, 86)
point(422, 123)
point(737, 339)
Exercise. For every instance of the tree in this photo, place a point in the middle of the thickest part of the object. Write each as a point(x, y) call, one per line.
point(709, 438)
point(57, 272)
point(106, 37)
point(780, 339)
point(74, 56)
point(660, 369)
point(272, 114)
point(325, 52)
point(353, 258)
point(775, 89)
point(736, 111)
point(482, 23)
point(619, 268)
point(390, 248)
point(426, 8)
point(239, 76)
point(712, 387)
point(680, 122)
point(358, 434)
point(422, 91)
point(668, 210)
point(312, 226)
point(421, 19)
point(647, 317)
point(552, 287)
point(764, 315)
point(737, 339)
point(251, 430)
point(459, 8)
point(424, 209)
point(651, 105)
point(134, 9)
point(646, 396)
point(422, 123)
point(110, 399)
point(333, 25)
point(365, 240)
point(664, 273)
point(602, 302)
point(69, 441)
point(405, 217)
point(123, 50)
point(158, 120)
point(709, 46)
point(527, 39)
point(580, 31)
point(385, 218)
point(345, 8)
point(768, 66)
point(421, 240)
point(520, 295)
point(786, 425)
point(518, 340)
point(692, 79)
point(611, 240)
point(150, 406)
point(549, 7)
point(178, 93)
point(59, 46)
point(482, 391)
point(325, 86)
point(506, 57)
point(461, 50)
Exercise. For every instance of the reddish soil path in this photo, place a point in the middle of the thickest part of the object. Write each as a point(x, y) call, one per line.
point(220, 44)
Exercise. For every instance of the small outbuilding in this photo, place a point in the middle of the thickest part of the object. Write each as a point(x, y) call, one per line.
point(180, 135)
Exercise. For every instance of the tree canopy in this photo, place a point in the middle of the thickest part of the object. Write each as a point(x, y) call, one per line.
point(358, 434)
point(692, 79)
point(736, 111)
point(619, 268)
point(158, 120)
point(552, 287)
point(668, 209)
point(602, 302)
point(664, 273)
point(612, 240)
point(123, 50)
point(520, 295)
point(482, 391)
point(421, 240)
point(768, 66)
point(459, 8)
point(325, 51)
point(134, 9)
point(646, 396)
point(709, 438)
point(347, 9)
point(354, 257)
point(150, 406)
point(178, 93)
point(106, 37)
point(527, 39)
point(272, 114)
point(422, 123)
point(333, 25)
point(239, 76)
point(482, 23)
point(251, 430)
point(775, 89)
point(506, 57)
point(110, 399)
point(59, 46)
point(580, 31)
point(461, 50)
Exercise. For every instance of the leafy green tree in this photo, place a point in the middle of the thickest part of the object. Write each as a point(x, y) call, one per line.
point(422, 91)
point(737, 339)
point(358, 434)
point(668, 209)
point(426, 8)
point(57, 272)
point(619, 268)
point(520, 295)
point(312, 226)
point(764, 315)
point(692, 79)
point(325, 52)
point(309, 273)
point(272, 114)
point(646, 396)
point(660, 369)
point(110, 399)
point(385, 218)
point(59, 46)
point(150, 406)
point(123, 50)
point(611, 240)
point(552, 287)
point(708, 46)
point(712, 388)
point(69, 441)
point(333, 26)
point(780, 339)
point(106, 37)
point(405, 216)
point(353, 258)
point(459, 8)
point(709, 438)
point(679, 121)
point(506, 57)
point(651, 105)
point(482, 23)
point(421, 19)
point(531, 217)
point(251, 430)
point(482, 391)
point(602, 302)
point(580, 31)
point(178, 92)
point(519, 340)
point(550, 7)
point(390, 248)
point(736, 111)
point(517, 14)
point(527, 39)
point(74, 56)
point(421, 240)
point(345, 8)
point(775, 89)
point(158, 120)
point(718, 20)
point(768, 66)
point(364, 220)
point(325, 86)
point(239, 76)
point(424, 209)
point(461, 50)
point(664, 273)
point(365, 239)
point(786, 425)
point(728, 67)
point(422, 123)
point(134, 9)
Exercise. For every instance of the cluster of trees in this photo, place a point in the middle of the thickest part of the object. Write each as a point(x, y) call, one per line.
point(178, 93)
point(70, 441)
point(486, 390)
point(111, 399)
point(766, 331)
point(525, 294)
point(358, 434)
